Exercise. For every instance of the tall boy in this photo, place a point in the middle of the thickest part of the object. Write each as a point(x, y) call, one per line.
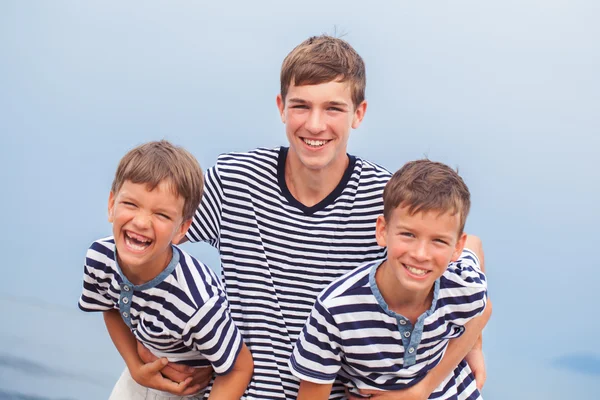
point(171, 302)
point(289, 220)
point(386, 325)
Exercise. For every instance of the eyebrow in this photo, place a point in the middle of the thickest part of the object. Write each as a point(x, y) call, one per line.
point(331, 103)
point(170, 213)
point(338, 103)
point(437, 236)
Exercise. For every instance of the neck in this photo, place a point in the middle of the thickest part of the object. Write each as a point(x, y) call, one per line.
point(409, 303)
point(142, 274)
point(310, 186)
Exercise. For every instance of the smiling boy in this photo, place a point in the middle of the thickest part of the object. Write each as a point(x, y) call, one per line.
point(387, 324)
point(171, 302)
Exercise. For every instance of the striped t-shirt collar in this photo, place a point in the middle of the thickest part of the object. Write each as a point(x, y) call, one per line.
point(323, 203)
point(386, 308)
point(158, 279)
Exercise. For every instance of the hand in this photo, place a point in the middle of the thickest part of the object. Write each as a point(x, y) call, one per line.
point(477, 364)
point(149, 375)
point(412, 393)
point(199, 378)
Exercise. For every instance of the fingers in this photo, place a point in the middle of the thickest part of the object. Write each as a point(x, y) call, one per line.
point(186, 388)
point(175, 388)
point(202, 376)
point(155, 366)
point(182, 368)
point(177, 374)
point(145, 354)
point(190, 381)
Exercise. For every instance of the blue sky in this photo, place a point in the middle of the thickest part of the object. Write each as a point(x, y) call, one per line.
point(507, 91)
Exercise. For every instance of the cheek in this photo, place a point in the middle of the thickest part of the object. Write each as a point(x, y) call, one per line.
point(292, 121)
point(119, 216)
point(396, 248)
point(443, 256)
point(165, 228)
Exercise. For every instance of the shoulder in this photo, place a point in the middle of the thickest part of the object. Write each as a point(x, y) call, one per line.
point(196, 278)
point(256, 165)
point(346, 286)
point(466, 272)
point(370, 168)
point(369, 178)
point(102, 250)
point(261, 155)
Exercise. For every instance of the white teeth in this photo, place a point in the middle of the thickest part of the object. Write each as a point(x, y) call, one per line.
point(315, 143)
point(136, 242)
point(139, 238)
point(416, 271)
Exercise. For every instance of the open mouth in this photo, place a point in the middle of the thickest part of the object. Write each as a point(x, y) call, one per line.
point(315, 143)
point(418, 272)
point(137, 242)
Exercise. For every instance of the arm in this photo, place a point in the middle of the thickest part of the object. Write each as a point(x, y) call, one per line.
point(233, 384)
point(457, 350)
point(474, 244)
point(148, 375)
point(475, 357)
point(206, 223)
point(314, 391)
point(178, 372)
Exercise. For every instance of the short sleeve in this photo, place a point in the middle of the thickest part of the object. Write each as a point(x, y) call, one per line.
point(212, 332)
point(318, 352)
point(99, 292)
point(207, 219)
point(464, 288)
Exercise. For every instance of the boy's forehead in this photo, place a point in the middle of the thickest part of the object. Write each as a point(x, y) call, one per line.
point(447, 218)
point(333, 91)
point(165, 190)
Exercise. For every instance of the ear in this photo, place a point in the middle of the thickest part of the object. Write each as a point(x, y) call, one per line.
point(111, 207)
point(182, 230)
point(460, 245)
point(281, 107)
point(380, 231)
point(359, 114)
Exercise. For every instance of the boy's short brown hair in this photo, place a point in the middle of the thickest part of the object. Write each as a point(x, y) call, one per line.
point(425, 185)
point(322, 59)
point(154, 162)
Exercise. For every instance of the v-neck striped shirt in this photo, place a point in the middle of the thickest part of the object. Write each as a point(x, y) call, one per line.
point(277, 254)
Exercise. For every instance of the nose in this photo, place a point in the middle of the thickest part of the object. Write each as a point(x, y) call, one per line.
point(420, 251)
point(141, 220)
point(316, 122)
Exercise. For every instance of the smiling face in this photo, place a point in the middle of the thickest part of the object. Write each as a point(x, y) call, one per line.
point(145, 223)
point(318, 119)
point(419, 248)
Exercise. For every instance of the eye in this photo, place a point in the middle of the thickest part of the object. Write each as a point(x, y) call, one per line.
point(336, 109)
point(441, 241)
point(164, 216)
point(407, 234)
point(128, 204)
point(300, 106)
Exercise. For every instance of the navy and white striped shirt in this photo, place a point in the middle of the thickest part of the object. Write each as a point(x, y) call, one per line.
point(352, 333)
point(182, 314)
point(277, 254)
